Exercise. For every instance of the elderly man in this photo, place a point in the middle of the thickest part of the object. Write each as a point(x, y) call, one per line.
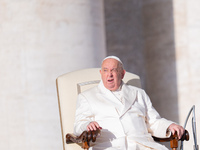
point(123, 113)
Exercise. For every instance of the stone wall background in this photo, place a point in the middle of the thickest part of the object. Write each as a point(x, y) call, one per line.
point(42, 39)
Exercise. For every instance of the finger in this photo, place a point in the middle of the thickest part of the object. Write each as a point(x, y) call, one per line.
point(96, 124)
point(90, 127)
point(178, 133)
point(93, 126)
point(182, 130)
point(173, 131)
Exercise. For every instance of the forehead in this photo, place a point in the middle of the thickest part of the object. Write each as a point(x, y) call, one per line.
point(110, 63)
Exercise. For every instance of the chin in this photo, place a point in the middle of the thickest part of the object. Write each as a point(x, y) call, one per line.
point(113, 89)
point(110, 88)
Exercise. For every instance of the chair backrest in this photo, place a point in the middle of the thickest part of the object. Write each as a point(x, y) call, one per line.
point(69, 86)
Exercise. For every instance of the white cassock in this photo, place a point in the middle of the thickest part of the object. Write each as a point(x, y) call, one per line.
point(127, 118)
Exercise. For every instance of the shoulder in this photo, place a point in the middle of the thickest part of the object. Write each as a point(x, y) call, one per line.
point(133, 88)
point(139, 92)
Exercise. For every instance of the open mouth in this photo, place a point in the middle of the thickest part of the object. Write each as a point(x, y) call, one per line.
point(110, 80)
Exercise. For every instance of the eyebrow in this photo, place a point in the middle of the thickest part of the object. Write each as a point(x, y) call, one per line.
point(107, 68)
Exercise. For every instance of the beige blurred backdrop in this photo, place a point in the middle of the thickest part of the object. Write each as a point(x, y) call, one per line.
point(41, 39)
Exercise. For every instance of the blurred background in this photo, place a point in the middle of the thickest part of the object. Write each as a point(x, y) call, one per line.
point(159, 40)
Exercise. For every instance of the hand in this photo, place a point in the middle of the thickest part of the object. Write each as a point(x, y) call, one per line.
point(93, 126)
point(176, 128)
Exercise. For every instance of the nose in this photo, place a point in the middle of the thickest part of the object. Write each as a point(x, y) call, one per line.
point(110, 73)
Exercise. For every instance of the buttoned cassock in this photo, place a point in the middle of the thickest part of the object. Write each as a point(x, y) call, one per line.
point(125, 126)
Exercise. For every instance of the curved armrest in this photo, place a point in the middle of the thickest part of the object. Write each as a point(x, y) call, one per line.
point(185, 136)
point(85, 138)
point(173, 139)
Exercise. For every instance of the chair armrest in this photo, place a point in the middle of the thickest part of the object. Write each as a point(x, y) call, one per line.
point(185, 136)
point(84, 139)
point(173, 139)
point(87, 136)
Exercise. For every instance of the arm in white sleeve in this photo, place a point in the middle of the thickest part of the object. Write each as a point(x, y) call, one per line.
point(83, 115)
point(157, 126)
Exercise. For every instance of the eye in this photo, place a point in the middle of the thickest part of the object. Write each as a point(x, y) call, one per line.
point(105, 70)
point(115, 70)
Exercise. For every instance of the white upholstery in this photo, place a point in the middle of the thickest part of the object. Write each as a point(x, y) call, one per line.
point(68, 87)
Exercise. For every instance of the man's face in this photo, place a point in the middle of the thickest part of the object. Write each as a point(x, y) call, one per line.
point(111, 74)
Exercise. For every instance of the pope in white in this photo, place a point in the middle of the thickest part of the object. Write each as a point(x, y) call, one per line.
point(123, 113)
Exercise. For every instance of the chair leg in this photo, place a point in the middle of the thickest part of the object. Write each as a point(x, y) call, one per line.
point(85, 145)
point(174, 143)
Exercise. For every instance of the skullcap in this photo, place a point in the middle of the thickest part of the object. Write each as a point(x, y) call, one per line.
point(113, 57)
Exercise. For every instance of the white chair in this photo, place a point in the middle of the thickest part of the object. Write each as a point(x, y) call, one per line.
point(69, 86)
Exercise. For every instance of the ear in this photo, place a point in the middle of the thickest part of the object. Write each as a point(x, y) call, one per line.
point(123, 73)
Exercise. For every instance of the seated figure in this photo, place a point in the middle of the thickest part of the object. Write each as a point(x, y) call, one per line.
point(123, 113)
